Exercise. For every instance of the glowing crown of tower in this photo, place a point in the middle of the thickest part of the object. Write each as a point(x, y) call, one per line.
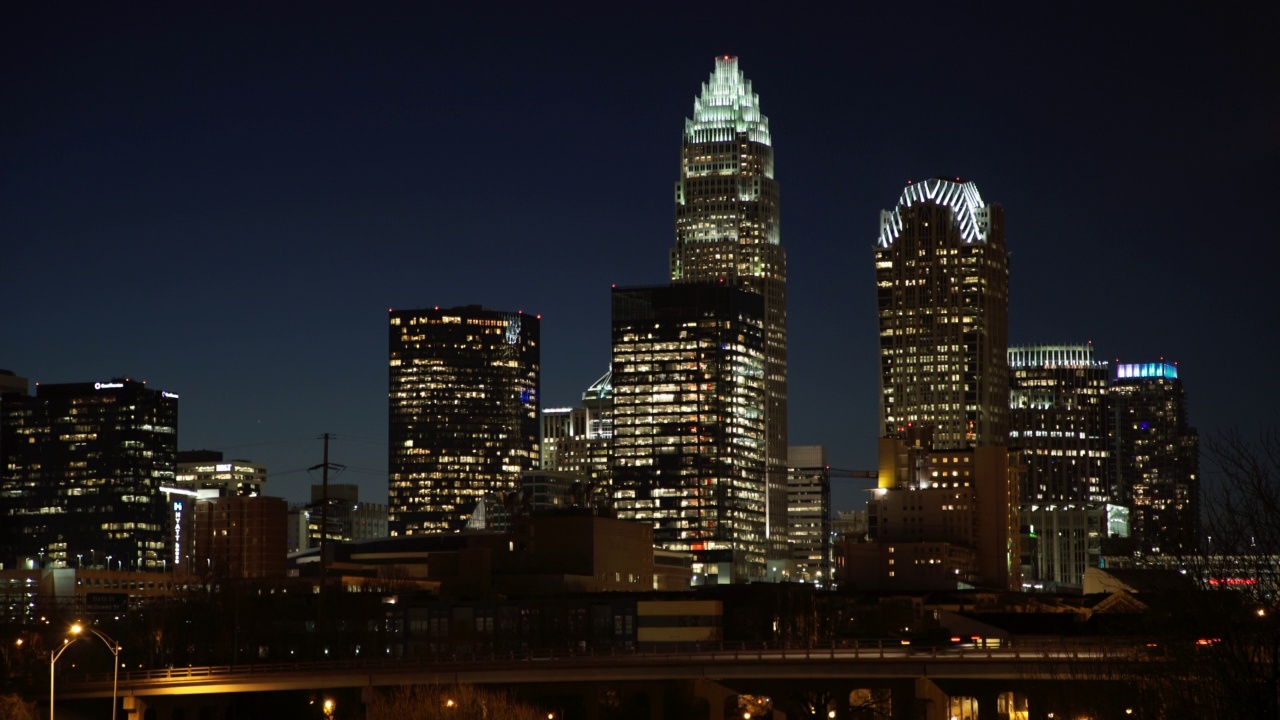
point(727, 107)
point(967, 208)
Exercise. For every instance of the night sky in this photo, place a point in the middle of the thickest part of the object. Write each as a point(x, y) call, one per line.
point(225, 202)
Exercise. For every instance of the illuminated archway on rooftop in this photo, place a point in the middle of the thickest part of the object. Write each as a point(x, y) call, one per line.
point(963, 198)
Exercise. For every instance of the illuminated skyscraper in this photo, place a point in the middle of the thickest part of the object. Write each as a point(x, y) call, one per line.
point(942, 277)
point(1058, 415)
point(809, 513)
point(81, 466)
point(946, 508)
point(580, 440)
point(688, 431)
point(1156, 458)
point(463, 412)
point(1058, 420)
point(727, 230)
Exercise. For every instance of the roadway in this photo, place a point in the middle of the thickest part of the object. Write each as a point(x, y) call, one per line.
point(1021, 661)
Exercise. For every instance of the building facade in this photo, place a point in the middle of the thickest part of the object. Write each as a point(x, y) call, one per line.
point(941, 519)
point(809, 513)
point(239, 537)
point(1058, 419)
point(1155, 458)
point(728, 230)
point(688, 422)
point(580, 440)
point(207, 470)
point(11, 384)
point(1058, 416)
point(347, 518)
point(942, 279)
point(81, 470)
point(945, 511)
point(463, 412)
point(1063, 541)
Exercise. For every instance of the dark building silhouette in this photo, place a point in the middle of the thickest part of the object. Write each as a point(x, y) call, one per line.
point(688, 425)
point(12, 384)
point(81, 470)
point(728, 230)
point(239, 537)
point(463, 412)
point(1156, 458)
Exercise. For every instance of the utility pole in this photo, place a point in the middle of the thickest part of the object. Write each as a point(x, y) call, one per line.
point(324, 530)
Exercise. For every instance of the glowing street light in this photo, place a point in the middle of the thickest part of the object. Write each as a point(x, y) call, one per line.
point(112, 645)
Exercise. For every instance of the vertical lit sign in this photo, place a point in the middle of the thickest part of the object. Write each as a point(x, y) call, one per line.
point(177, 532)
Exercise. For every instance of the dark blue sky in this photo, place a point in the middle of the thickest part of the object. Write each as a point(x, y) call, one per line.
point(225, 202)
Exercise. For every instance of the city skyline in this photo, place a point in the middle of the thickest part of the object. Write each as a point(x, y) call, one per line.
point(227, 205)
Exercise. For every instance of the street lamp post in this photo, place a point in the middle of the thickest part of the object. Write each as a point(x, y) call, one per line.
point(112, 645)
point(53, 658)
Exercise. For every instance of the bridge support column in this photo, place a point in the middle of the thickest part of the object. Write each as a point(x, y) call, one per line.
point(716, 695)
point(929, 703)
point(134, 707)
point(840, 701)
point(1037, 705)
point(988, 703)
point(903, 694)
point(591, 702)
point(655, 703)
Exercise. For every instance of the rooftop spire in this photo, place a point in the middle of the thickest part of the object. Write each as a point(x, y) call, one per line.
point(726, 107)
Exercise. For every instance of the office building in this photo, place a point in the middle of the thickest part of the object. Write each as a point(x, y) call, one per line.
point(1063, 541)
point(347, 518)
point(11, 384)
point(727, 230)
point(941, 519)
point(688, 425)
point(942, 278)
point(1058, 419)
point(945, 511)
point(30, 596)
point(237, 537)
point(463, 412)
point(579, 440)
point(207, 470)
point(81, 467)
point(809, 514)
point(1155, 458)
